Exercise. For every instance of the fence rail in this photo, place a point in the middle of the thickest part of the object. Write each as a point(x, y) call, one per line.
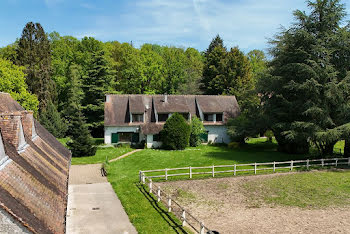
point(173, 206)
point(234, 168)
point(186, 217)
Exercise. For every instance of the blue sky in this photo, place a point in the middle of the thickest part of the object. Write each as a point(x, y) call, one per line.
point(186, 23)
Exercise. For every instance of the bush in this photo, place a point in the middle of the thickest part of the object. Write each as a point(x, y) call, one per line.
point(176, 133)
point(269, 135)
point(197, 129)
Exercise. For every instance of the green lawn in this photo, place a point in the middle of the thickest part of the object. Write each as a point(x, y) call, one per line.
point(101, 153)
point(307, 190)
point(142, 209)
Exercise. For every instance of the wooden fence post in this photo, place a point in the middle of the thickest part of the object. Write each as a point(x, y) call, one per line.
point(190, 172)
point(183, 217)
point(158, 193)
point(234, 168)
point(213, 171)
point(140, 176)
point(143, 178)
point(150, 185)
point(255, 168)
point(169, 204)
point(336, 162)
point(349, 161)
point(307, 164)
point(166, 173)
point(274, 166)
point(201, 230)
point(322, 162)
point(291, 165)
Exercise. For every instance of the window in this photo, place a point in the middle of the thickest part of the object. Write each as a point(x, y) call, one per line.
point(209, 117)
point(162, 117)
point(125, 136)
point(137, 118)
point(185, 115)
point(219, 117)
point(156, 137)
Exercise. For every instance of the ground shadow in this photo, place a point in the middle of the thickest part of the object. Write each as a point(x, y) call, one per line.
point(162, 212)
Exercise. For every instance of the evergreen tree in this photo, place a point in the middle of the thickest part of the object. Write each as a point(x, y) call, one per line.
point(33, 52)
point(176, 133)
point(81, 143)
point(306, 91)
point(51, 119)
point(95, 85)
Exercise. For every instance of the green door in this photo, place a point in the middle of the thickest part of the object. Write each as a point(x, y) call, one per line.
point(115, 137)
point(204, 137)
point(135, 137)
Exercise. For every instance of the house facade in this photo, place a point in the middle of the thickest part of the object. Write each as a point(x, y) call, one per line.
point(34, 169)
point(137, 118)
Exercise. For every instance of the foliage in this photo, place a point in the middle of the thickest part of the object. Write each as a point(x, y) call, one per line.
point(197, 129)
point(176, 133)
point(33, 52)
point(95, 85)
point(13, 81)
point(51, 119)
point(306, 95)
point(81, 143)
point(269, 135)
point(258, 64)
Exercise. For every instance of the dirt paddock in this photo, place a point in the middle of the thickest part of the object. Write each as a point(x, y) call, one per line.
point(223, 206)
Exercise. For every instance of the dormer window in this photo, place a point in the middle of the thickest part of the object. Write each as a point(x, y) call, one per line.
point(209, 117)
point(137, 118)
point(163, 117)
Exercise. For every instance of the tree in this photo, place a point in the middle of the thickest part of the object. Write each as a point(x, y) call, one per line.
point(51, 119)
point(74, 96)
point(95, 85)
point(306, 91)
point(176, 133)
point(197, 129)
point(258, 64)
point(33, 52)
point(81, 143)
point(13, 81)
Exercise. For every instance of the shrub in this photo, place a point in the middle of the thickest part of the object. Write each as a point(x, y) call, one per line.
point(197, 129)
point(269, 135)
point(176, 133)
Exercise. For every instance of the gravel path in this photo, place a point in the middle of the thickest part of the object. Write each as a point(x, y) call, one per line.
point(222, 205)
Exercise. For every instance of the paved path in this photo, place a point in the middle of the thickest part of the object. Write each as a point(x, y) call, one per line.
point(125, 155)
point(93, 206)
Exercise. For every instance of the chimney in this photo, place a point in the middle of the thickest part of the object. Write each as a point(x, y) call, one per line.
point(12, 129)
point(28, 124)
point(165, 98)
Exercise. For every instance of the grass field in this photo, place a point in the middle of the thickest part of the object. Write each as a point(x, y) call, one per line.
point(143, 211)
point(319, 189)
point(101, 153)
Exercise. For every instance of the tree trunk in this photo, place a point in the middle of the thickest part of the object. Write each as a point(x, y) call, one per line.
point(328, 149)
point(347, 148)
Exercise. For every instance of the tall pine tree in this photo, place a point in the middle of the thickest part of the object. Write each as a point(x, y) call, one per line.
point(95, 85)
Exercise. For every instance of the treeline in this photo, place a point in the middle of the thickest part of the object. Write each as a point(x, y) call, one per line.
point(66, 74)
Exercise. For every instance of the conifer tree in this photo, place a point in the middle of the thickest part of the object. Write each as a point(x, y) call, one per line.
point(33, 52)
point(51, 119)
point(95, 85)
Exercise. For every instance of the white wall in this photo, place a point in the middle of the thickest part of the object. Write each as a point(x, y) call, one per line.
point(151, 143)
point(110, 130)
point(217, 134)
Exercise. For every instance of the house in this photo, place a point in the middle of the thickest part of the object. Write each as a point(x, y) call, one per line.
point(34, 170)
point(136, 118)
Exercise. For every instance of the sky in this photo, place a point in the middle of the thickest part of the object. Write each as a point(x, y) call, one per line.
point(247, 24)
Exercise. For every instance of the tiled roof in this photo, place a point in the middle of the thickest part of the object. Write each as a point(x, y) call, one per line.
point(33, 180)
point(119, 107)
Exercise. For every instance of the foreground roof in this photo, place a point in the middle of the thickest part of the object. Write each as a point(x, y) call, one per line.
point(34, 170)
point(119, 107)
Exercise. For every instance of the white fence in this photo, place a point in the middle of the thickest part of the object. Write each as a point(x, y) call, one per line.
point(173, 206)
point(235, 168)
point(189, 219)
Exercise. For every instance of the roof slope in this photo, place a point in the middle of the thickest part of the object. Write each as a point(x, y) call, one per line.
point(118, 108)
point(33, 179)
